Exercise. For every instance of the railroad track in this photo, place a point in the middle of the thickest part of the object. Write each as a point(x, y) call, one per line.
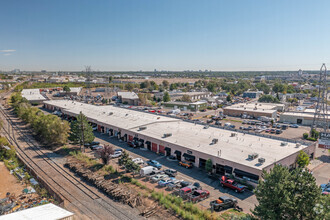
point(73, 196)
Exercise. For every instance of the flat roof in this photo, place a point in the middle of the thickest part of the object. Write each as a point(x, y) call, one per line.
point(187, 135)
point(128, 95)
point(258, 105)
point(32, 95)
point(48, 211)
point(243, 109)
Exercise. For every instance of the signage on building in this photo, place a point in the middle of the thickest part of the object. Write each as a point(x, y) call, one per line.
point(324, 140)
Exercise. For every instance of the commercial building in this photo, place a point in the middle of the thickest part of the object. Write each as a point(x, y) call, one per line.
point(193, 106)
point(232, 152)
point(129, 98)
point(192, 95)
point(33, 96)
point(302, 118)
point(47, 211)
point(252, 94)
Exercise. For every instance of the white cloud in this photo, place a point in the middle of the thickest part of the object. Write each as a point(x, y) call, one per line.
point(7, 51)
point(7, 54)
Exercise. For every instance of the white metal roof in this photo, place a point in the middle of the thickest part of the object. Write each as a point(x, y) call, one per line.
point(47, 211)
point(128, 95)
point(186, 134)
point(32, 95)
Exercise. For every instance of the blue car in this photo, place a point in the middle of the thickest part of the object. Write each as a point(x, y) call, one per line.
point(294, 126)
point(164, 182)
point(154, 163)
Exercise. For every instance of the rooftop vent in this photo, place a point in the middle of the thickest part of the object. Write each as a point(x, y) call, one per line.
point(261, 160)
point(253, 156)
point(215, 140)
point(298, 144)
point(233, 134)
point(110, 113)
point(284, 143)
point(167, 135)
point(142, 128)
point(206, 126)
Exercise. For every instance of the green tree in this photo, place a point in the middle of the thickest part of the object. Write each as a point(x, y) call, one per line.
point(279, 87)
point(66, 89)
point(228, 98)
point(211, 86)
point(209, 166)
point(263, 87)
point(186, 98)
point(166, 97)
point(315, 134)
point(165, 83)
point(81, 131)
point(302, 159)
point(129, 86)
point(284, 194)
point(124, 158)
point(268, 98)
point(173, 86)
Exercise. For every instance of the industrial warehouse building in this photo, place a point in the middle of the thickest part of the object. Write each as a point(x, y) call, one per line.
point(301, 118)
point(255, 110)
point(240, 154)
point(33, 96)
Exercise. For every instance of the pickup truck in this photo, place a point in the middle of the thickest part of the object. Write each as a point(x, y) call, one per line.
point(230, 183)
point(223, 202)
point(198, 195)
point(185, 191)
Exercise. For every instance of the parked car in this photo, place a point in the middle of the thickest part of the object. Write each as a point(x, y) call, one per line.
point(278, 131)
point(132, 144)
point(96, 147)
point(198, 195)
point(147, 170)
point(232, 184)
point(154, 163)
point(218, 123)
point(171, 172)
point(325, 188)
point(267, 130)
point(294, 126)
point(116, 154)
point(138, 161)
point(119, 150)
point(272, 131)
point(165, 182)
point(158, 177)
point(186, 164)
point(92, 144)
point(223, 202)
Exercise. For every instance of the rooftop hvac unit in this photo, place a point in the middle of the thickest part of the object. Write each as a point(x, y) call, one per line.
point(110, 113)
point(298, 144)
point(142, 128)
point(167, 135)
point(215, 140)
point(206, 126)
point(284, 143)
point(261, 160)
point(253, 156)
point(233, 134)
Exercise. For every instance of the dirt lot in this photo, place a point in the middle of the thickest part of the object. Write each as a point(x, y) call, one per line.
point(8, 182)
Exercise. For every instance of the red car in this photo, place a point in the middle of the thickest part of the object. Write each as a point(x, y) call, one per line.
point(198, 195)
point(230, 183)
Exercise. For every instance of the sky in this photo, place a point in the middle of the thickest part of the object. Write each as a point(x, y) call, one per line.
point(131, 35)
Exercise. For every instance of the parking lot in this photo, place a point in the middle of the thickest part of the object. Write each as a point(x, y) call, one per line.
point(246, 200)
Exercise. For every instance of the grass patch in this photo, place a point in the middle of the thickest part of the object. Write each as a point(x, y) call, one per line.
point(83, 158)
point(232, 120)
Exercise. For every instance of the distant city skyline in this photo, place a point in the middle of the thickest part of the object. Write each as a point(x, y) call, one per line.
point(170, 35)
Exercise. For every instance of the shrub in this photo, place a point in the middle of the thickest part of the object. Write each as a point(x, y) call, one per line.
point(305, 135)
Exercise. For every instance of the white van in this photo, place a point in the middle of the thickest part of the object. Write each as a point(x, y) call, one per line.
point(147, 170)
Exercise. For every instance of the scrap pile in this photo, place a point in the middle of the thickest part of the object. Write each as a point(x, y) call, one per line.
point(115, 191)
point(11, 203)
